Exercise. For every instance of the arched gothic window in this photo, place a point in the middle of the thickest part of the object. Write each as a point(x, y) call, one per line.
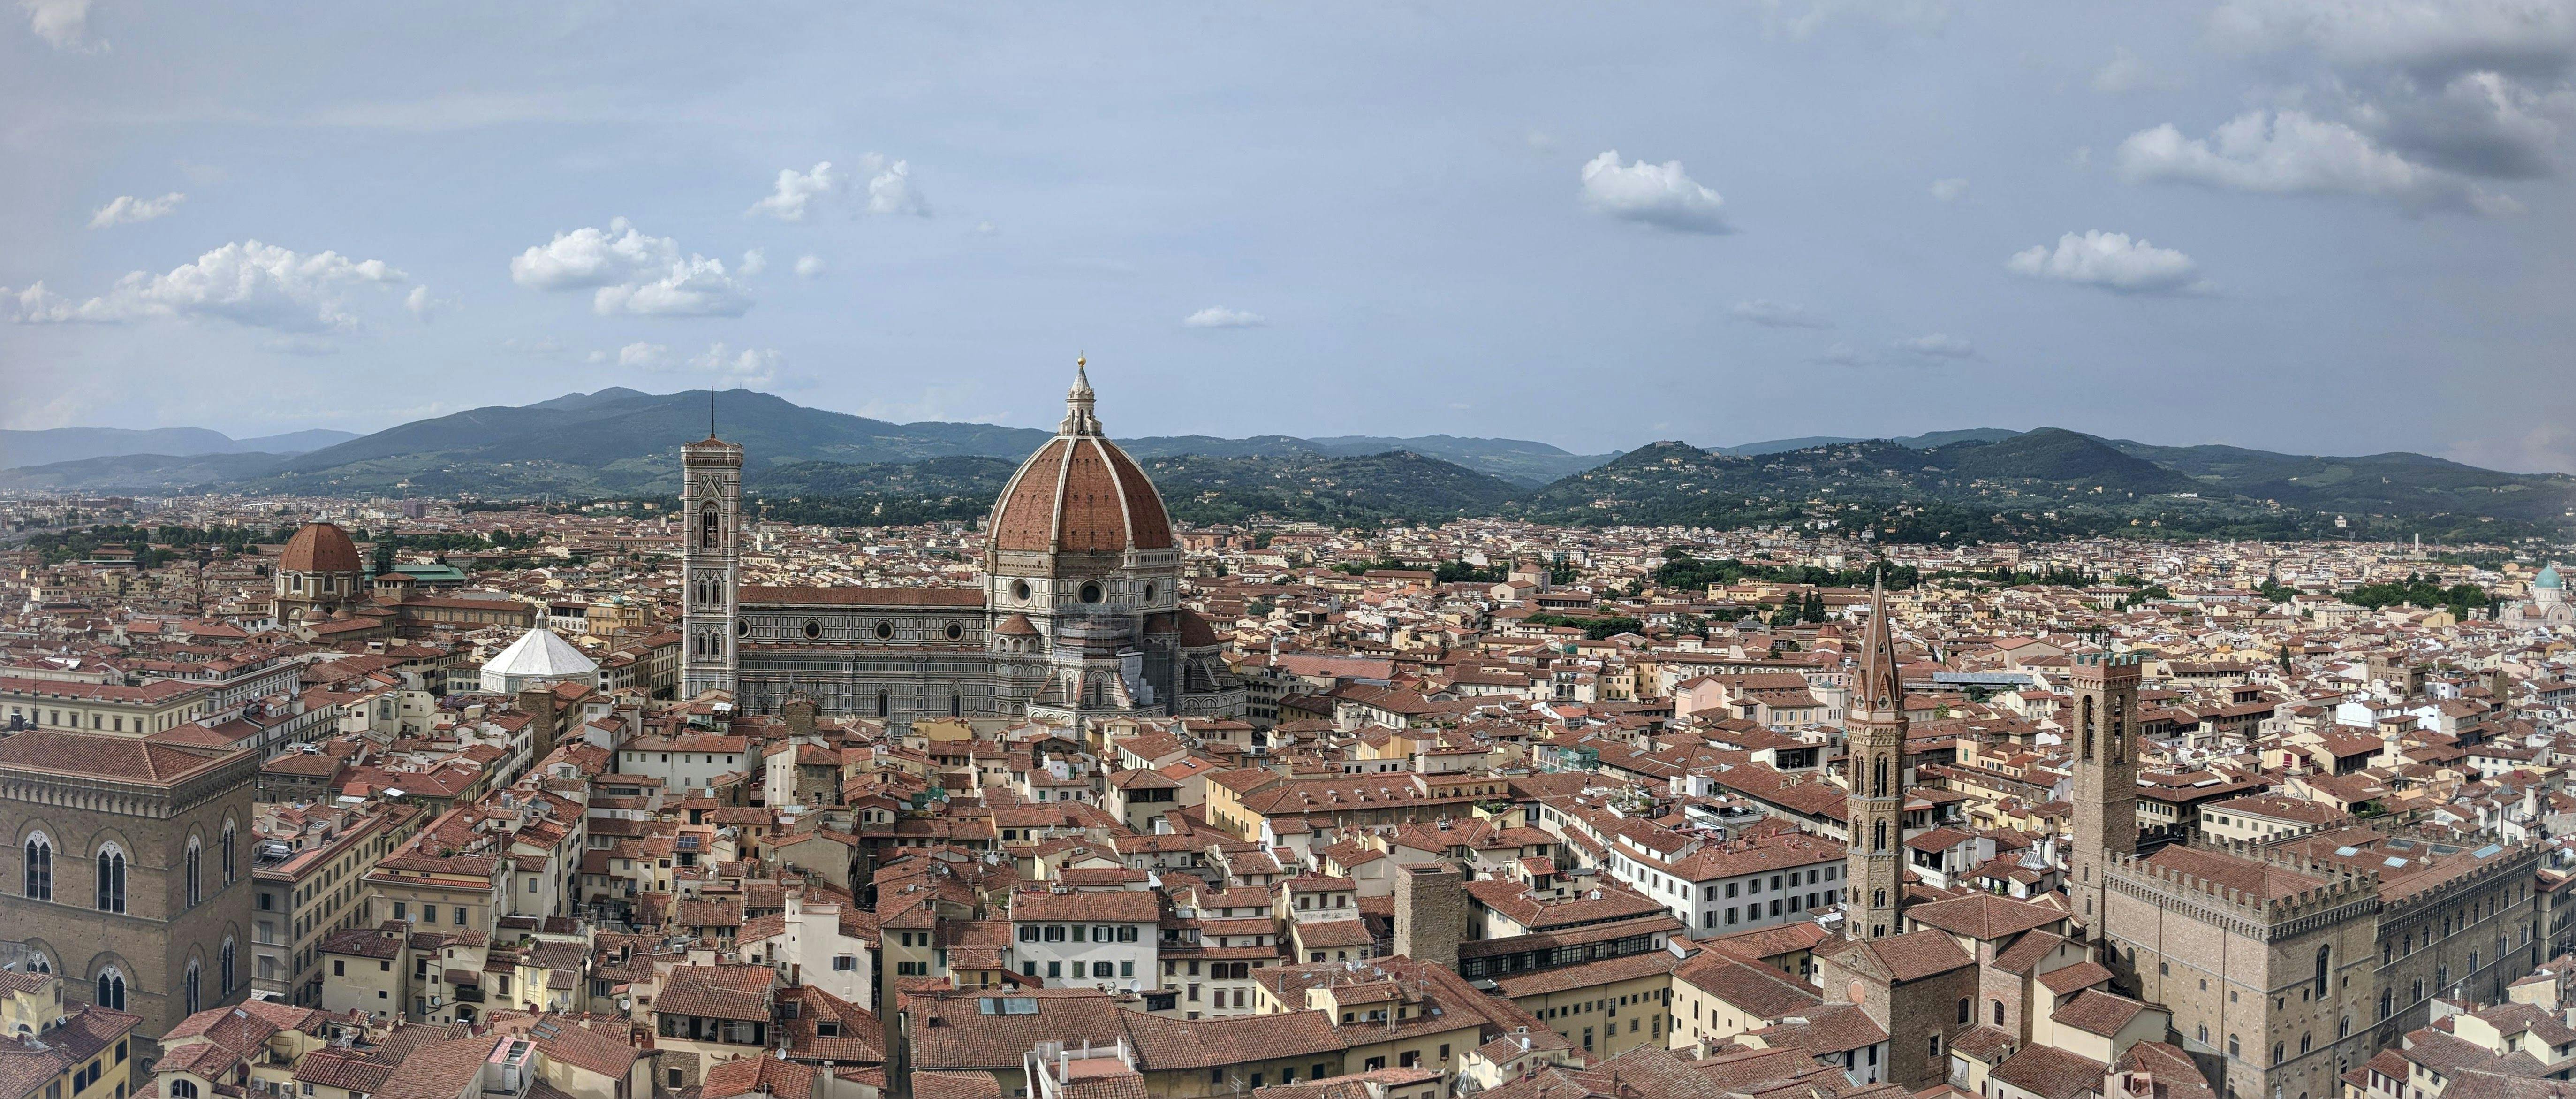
point(885, 704)
point(1998, 1012)
point(190, 986)
point(2324, 956)
point(1880, 790)
point(111, 879)
point(193, 867)
point(224, 969)
point(956, 706)
point(710, 529)
point(111, 989)
point(40, 868)
point(1963, 1011)
point(224, 851)
point(1878, 836)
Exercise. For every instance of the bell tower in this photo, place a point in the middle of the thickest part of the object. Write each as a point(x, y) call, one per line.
point(711, 514)
point(2103, 731)
point(1874, 742)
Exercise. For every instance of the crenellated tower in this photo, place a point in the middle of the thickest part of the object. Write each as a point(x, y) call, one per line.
point(1874, 742)
point(2102, 730)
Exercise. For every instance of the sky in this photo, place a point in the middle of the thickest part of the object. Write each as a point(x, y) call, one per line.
point(2326, 226)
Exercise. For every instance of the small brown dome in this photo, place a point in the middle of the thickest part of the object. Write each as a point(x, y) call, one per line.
point(1196, 633)
point(1017, 625)
point(1080, 494)
point(320, 547)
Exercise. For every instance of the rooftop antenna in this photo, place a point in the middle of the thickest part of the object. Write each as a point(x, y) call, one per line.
point(711, 412)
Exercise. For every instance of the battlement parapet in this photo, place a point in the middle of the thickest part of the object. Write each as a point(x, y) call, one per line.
point(2101, 668)
point(2342, 894)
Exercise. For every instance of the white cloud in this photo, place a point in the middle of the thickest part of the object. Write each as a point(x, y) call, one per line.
point(299, 345)
point(1939, 345)
point(1656, 194)
point(1771, 314)
point(248, 283)
point(1948, 190)
point(889, 190)
point(2125, 72)
point(631, 272)
point(2293, 152)
point(650, 356)
point(63, 24)
point(127, 210)
point(937, 403)
point(809, 266)
point(424, 306)
point(1803, 18)
point(2112, 262)
point(756, 368)
point(2438, 37)
point(2479, 123)
point(2478, 87)
point(795, 191)
point(1843, 354)
point(753, 263)
point(2545, 449)
point(1218, 316)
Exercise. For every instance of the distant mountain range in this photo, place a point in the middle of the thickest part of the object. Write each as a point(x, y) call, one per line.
point(813, 465)
point(72, 444)
point(2050, 482)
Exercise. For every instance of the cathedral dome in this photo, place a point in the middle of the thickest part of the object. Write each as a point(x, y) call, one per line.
point(319, 547)
point(1079, 493)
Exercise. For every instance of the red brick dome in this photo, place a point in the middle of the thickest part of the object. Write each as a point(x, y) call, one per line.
point(1080, 494)
point(320, 547)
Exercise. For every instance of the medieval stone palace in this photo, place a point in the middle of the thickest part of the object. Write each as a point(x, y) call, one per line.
point(1077, 615)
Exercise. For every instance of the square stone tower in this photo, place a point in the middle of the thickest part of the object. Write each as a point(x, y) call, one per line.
point(711, 514)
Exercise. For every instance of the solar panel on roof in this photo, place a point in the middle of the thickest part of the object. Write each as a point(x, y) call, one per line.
point(2402, 845)
point(2347, 852)
point(2490, 849)
point(2392, 863)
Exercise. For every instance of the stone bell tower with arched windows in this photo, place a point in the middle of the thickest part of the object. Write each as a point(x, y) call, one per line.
point(2103, 732)
point(711, 511)
point(1874, 741)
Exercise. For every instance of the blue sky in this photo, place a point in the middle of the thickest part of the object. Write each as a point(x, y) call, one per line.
point(2334, 226)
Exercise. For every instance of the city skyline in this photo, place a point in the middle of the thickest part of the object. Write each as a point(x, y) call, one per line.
point(2243, 222)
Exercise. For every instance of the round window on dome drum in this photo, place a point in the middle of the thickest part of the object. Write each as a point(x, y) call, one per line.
point(885, 630)
point(956, 631)
point(1149, 591)
point(742, 627)
point(1091, 593)
point(813, 628)
point(1020, 590)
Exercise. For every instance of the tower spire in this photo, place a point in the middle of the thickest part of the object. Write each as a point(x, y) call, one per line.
point(1882, 684)
point(1874, 745)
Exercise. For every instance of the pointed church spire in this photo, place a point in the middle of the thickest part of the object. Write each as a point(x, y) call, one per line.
point(1882, 683)
point(1078, 419)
